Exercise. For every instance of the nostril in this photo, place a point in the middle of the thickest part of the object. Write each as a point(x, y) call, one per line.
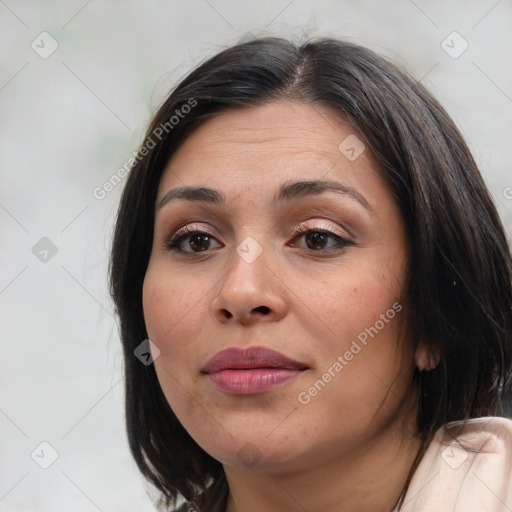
point(262, 309)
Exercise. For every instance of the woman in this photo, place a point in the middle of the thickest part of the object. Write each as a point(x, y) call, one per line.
point(307, 242)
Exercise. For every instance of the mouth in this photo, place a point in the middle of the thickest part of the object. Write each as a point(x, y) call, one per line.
point(251, 371)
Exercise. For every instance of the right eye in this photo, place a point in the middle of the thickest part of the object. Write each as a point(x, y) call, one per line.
point(198, 241)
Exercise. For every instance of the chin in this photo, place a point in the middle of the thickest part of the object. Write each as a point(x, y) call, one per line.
point(253, 456)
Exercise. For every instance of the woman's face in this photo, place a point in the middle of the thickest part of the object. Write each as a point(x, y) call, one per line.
point(329, 302)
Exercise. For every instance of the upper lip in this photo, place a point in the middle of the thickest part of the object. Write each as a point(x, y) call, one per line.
point(252, 357)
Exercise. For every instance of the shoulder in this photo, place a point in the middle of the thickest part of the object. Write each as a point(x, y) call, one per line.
point(467, 467)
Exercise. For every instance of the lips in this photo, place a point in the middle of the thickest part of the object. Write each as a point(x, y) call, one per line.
point(251, 371)
point(250, 358)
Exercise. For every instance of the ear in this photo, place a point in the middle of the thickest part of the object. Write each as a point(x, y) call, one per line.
point(426, 358)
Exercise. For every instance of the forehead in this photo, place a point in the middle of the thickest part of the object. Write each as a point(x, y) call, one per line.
point(260, 147)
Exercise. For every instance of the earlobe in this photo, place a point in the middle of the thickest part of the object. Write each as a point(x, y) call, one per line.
point(426, 358)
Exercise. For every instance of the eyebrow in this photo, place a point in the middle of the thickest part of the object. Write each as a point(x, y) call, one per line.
point(287, 192)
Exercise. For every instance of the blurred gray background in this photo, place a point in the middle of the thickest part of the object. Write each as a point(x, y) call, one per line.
point(79, 81)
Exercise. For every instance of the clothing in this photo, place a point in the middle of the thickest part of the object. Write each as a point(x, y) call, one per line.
point(470, 471)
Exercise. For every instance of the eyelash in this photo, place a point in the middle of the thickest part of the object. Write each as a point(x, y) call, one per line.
point(182, 234)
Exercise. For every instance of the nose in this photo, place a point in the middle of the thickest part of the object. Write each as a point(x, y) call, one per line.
point(250, 291)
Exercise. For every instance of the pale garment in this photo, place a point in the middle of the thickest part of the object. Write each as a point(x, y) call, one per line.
point(470, 471)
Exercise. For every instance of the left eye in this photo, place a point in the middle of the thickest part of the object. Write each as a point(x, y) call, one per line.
point(317, 239)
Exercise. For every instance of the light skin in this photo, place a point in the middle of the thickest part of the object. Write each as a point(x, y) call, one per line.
point(351, 447)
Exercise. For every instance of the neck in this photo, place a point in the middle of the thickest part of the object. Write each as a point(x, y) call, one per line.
point(370, 476)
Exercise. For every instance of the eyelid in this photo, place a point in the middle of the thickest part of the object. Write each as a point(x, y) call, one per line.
point(303, 227)
point(190, 228)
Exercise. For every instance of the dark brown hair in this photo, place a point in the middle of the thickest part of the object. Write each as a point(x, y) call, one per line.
point(459, 279)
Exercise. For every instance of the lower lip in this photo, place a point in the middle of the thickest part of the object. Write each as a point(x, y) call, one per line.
point(249, 382)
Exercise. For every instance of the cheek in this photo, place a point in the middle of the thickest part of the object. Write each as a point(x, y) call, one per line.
point(361, 319)
point(348, 302)
point(172, 313)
